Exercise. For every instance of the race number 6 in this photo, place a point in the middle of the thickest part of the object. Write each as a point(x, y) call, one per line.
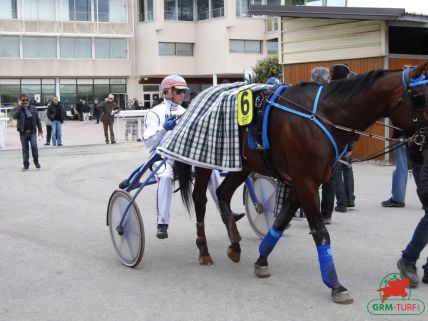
point(245, 107)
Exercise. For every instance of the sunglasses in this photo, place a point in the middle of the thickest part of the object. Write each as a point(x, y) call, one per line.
point(25, 99)
point(180, 91)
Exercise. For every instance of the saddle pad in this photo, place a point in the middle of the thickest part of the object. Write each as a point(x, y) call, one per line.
point(207, 134)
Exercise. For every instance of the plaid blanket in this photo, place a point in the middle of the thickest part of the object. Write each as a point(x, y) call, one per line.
point(207, 134)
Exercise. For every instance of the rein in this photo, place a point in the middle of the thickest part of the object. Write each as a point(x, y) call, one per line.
point(408, 83)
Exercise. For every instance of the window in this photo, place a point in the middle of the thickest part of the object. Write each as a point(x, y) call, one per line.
point(39, 47)
point(9, 46)
point(203, 8)
point(8, 10)
point(314, 2)
point(146, 10)
point(408, 40)
point(39, 10)
point(107, 48)
point(217, 8)
point(78, 10)
point(10, 90)
point(272, 47)
point(170, 10)
point(118, 10)
point(336, 3)
point(175, 49)
point(242, 7)
point(101, 8)
point(48, 90)
point(245, 46)
point(75, 47)
point(185, 10)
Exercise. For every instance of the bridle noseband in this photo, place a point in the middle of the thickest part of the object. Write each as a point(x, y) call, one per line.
point(419, 105)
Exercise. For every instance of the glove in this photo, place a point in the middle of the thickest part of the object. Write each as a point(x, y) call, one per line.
point(169, 123)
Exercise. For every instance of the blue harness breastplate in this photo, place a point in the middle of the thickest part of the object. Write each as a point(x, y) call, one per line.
point(312, 116)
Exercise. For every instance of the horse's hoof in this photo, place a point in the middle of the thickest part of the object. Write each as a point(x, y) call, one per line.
point(342, 298)
point(261, 271)
point(205, 260)
point(233, 255)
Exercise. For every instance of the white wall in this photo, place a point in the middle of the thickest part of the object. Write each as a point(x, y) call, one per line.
point(211, 50)
point(306, 39)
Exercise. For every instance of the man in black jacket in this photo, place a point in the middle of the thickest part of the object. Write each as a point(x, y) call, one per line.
point(28, 122)
point(56, 115)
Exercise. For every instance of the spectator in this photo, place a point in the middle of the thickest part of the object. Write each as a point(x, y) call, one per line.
point(107, 109)
point(135, 103)
point(131, 125)
point(399, 175)
point(96, 112)
point(344, 177)
point(48, 124)
point(28, 122)
point(407, 263)
point(79, 109)
point(85, 109)
point(321, 75)
point(56, 115)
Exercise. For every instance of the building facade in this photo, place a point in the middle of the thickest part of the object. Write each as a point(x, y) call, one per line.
point(364, 38)
point(88, 48)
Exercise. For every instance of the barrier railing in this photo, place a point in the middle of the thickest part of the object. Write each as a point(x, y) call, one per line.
point(129, 125)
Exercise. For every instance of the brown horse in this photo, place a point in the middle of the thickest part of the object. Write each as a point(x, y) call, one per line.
point(302, 154)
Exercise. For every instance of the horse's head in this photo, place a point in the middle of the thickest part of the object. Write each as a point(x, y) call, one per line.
point(410, 111)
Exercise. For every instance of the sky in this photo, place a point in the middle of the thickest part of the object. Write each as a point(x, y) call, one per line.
point(411, 6)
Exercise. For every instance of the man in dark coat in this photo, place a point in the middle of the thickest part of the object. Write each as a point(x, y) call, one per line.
point(108, 108)
point(56, 114)
point(79, 109)
point(28, 123)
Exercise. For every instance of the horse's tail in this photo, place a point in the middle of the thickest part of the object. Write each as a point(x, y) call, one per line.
point(184, 173)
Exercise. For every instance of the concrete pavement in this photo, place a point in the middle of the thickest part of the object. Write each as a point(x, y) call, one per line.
point(58, 263)
point(74, 133)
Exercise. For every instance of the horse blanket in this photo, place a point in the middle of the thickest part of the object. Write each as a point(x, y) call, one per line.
point(207, 134)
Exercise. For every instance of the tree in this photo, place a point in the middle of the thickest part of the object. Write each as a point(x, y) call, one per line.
point(266, 68)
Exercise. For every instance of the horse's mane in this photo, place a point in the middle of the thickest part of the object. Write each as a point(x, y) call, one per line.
point(342, 90)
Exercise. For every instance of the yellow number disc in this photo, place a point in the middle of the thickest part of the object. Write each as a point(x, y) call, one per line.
point(245, 107)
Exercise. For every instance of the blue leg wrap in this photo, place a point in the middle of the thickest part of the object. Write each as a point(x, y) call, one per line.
point(269, 241)
point(328, 272)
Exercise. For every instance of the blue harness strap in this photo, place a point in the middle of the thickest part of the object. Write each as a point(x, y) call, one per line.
point(273, 98)
point(311, 116)
point(412, 82)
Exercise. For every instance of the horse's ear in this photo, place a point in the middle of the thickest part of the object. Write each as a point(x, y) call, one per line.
point(418, 70)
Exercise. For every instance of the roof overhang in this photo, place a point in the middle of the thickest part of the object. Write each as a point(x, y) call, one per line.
point(326, 12)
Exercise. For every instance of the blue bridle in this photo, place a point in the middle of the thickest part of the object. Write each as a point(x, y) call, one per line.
point(408, 82)
point(312, 116)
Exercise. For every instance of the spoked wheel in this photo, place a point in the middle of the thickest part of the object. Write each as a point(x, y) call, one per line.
point(262, 217)
point(129, 241)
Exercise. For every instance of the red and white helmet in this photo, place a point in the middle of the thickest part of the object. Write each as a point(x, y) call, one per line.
point(172, 81)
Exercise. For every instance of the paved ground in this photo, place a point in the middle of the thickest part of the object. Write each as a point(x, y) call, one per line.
point(58, 263)
point(74, 133)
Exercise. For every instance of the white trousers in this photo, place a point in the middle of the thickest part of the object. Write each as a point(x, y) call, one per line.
point(86, 118)
point(165, 177)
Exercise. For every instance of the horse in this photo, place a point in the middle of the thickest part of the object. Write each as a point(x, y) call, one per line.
point(302, 152)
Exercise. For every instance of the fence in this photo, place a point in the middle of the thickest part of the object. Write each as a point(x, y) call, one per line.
point(129, 125)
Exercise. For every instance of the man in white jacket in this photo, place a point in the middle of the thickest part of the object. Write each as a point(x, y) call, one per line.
point(158, 121)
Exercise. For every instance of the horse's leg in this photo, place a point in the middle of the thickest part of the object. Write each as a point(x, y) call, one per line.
point(224, 195)
point(202, 177)
point(289, 206)
point(310, 202)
